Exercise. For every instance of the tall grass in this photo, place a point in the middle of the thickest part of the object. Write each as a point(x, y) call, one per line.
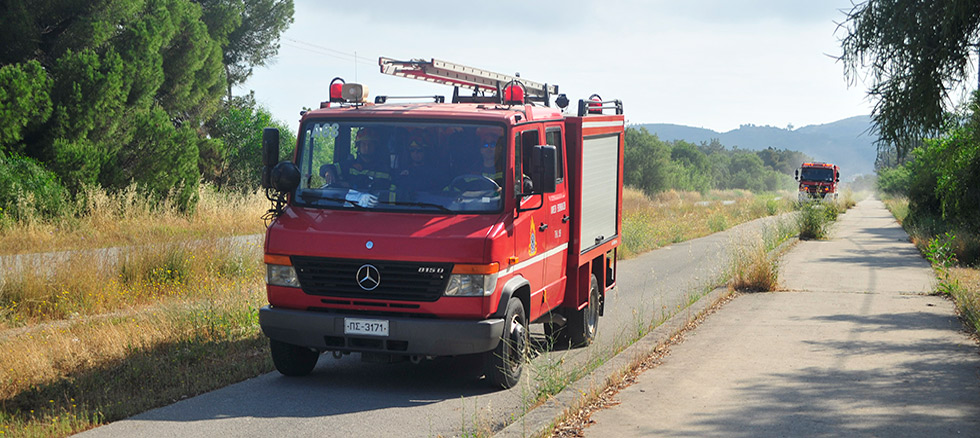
point(85, 345)
point(754, 266)
point(102, 220)
point(847, 201)
point(671, 217)
point(965, 244)
point(142, 276)
point(966, 293)
point(815, 218)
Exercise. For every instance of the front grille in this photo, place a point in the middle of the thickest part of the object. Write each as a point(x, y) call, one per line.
point(401, 281)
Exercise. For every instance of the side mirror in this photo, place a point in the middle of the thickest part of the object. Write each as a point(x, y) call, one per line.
point(285, 177)
point(796, 174)
point(544, 168)
point(270, 155)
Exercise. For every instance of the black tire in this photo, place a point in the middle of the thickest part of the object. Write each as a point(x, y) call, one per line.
point(584, 324)
point(504, 364)
point(293, 360)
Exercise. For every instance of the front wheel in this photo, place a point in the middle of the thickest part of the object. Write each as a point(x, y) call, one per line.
point(584, 324)
point(504, 364)
point(293, 360)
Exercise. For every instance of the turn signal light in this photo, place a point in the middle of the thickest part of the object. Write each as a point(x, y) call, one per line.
point(492, 268)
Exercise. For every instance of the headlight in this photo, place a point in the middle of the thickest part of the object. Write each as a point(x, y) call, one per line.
point(471, 285)
point(280, 275)
point(472, 280)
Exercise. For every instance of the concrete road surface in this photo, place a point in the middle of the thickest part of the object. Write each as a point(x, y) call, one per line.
point(854, 346)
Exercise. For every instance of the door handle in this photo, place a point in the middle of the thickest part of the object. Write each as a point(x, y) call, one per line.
point(542, 227)
point(565, 219)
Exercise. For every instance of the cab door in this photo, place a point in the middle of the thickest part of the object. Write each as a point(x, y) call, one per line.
point(557, 224)
point(529, 240)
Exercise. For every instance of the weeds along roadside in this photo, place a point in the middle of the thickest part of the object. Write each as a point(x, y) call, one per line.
point(754, 261)
point(672, 217)
point(91, 348)
point(80, 345)
point(947, 252)
point(128, 218)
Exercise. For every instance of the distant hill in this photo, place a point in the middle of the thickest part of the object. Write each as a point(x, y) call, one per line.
point(844, 142)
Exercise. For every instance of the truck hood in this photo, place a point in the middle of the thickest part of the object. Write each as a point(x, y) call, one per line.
point(382, 235)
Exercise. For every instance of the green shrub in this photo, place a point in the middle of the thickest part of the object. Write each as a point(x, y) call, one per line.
point(28, 192)
point(894, 181)
point(813, 221)
point(718, 222)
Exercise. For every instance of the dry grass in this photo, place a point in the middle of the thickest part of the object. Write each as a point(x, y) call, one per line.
point(126, 218)
point(847, 201)
point(83, 346)
point(967, 295)
point(752, 269)
point(673, 217)
point(136, 277)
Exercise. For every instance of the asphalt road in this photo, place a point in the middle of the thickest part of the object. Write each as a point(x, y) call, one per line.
point(854, 346)
point(444, 397)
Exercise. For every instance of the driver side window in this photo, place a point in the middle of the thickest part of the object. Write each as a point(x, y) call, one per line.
point(523, 143)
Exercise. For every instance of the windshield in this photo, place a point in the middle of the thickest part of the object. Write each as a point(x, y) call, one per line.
point(820, 174)
point(401, 166)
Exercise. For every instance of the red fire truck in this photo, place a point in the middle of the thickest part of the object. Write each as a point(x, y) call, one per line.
point(818, 181)
point(406, 231)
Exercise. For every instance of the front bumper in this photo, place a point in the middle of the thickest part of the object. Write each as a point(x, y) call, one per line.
point(408, 336)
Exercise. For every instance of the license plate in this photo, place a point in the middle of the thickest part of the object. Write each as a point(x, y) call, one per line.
point(370, 327)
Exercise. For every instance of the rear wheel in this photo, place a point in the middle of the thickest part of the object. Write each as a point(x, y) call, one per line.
point(504, 363)
point(293, 360)
point(584, 324)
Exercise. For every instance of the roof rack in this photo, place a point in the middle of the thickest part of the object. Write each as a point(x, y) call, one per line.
point(457, 75)
point(595, 105)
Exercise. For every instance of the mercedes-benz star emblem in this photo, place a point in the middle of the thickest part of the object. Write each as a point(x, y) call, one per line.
point(368, 277)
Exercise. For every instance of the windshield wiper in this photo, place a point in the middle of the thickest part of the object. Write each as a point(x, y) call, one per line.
point(418, 204)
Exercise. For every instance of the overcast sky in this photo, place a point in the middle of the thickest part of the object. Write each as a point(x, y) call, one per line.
point(715, 64)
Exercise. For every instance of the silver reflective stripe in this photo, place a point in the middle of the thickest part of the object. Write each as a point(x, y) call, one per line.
point(602, 124)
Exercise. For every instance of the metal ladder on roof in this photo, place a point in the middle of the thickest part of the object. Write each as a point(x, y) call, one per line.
point(461, 76)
